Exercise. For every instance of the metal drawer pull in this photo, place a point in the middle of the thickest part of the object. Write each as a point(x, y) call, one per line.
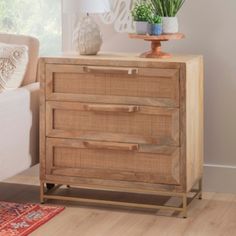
point(111, 146)
point(111, 108)
point(110, 70)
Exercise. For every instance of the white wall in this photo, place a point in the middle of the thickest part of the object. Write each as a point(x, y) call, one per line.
point(210, 29)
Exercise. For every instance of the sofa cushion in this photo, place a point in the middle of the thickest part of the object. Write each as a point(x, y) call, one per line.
point(13, 65)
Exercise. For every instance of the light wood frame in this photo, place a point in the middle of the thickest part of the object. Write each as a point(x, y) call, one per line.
point(191, 127)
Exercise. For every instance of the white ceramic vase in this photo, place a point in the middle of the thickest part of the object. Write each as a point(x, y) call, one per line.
point(141, 27)
point(87, 37)
point(170, 25)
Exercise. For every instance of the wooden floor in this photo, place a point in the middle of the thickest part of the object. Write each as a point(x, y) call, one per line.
point(215, 215)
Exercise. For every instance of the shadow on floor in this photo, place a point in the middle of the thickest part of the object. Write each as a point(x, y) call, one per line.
point(21, 193)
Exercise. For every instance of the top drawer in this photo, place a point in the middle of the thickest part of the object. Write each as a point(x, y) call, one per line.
point(118, 85)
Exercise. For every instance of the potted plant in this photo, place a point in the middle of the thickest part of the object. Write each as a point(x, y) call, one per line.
point(168, 10)
point(155, 27)
point(141, 13)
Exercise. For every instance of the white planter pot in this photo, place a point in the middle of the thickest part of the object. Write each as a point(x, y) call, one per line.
point(141, 27)
point(170, 25)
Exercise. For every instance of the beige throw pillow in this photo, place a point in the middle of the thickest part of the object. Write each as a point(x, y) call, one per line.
point(13, 65)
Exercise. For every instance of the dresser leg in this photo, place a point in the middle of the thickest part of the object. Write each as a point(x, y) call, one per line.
point(200, 189)
point(42, 193)
point(185, 206)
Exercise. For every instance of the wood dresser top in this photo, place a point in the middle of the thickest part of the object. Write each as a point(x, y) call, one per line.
point(117, 57)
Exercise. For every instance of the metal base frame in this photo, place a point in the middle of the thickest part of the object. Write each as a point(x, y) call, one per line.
point(47, 193)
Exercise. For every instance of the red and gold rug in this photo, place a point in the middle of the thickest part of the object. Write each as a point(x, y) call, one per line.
point(23, 219)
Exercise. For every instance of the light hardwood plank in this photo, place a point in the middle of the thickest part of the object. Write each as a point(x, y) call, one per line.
point(213, 216)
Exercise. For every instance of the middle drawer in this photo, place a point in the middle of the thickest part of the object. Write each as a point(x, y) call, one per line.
point(114, 123)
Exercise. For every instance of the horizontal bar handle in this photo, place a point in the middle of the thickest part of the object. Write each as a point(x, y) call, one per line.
point(110, 70)
point(111, 146)
point(111, 108)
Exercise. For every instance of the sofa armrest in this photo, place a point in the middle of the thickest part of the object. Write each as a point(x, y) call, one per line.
point(11, 95)
point(31, 87)
point(19, 125)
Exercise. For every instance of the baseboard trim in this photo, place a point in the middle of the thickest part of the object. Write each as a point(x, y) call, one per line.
point(219, 178)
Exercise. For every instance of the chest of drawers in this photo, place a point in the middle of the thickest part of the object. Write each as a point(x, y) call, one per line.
point(121, 123)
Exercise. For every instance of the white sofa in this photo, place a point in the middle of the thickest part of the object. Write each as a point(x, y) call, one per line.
point(19, 115)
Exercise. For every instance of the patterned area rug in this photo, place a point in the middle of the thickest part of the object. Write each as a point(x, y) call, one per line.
point(23, 219)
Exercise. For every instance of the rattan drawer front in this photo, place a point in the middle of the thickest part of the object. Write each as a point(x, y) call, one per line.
point(142, 86)
point(113, 161)
point(116, 123)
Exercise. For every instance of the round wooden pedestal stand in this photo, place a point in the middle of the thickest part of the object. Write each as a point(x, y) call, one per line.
point(156, 44)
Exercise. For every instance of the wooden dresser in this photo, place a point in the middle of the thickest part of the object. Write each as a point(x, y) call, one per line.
point(122, 123)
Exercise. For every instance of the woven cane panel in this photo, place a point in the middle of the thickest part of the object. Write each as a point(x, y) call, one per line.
point(117, 85)
point(152, 167)
point(119, 123)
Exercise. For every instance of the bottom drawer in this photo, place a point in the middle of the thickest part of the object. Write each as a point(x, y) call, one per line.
point(113, 161)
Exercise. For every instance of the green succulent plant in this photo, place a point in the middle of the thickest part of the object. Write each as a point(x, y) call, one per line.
point(167, 8)
point(142, 11)
point(155, 19)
